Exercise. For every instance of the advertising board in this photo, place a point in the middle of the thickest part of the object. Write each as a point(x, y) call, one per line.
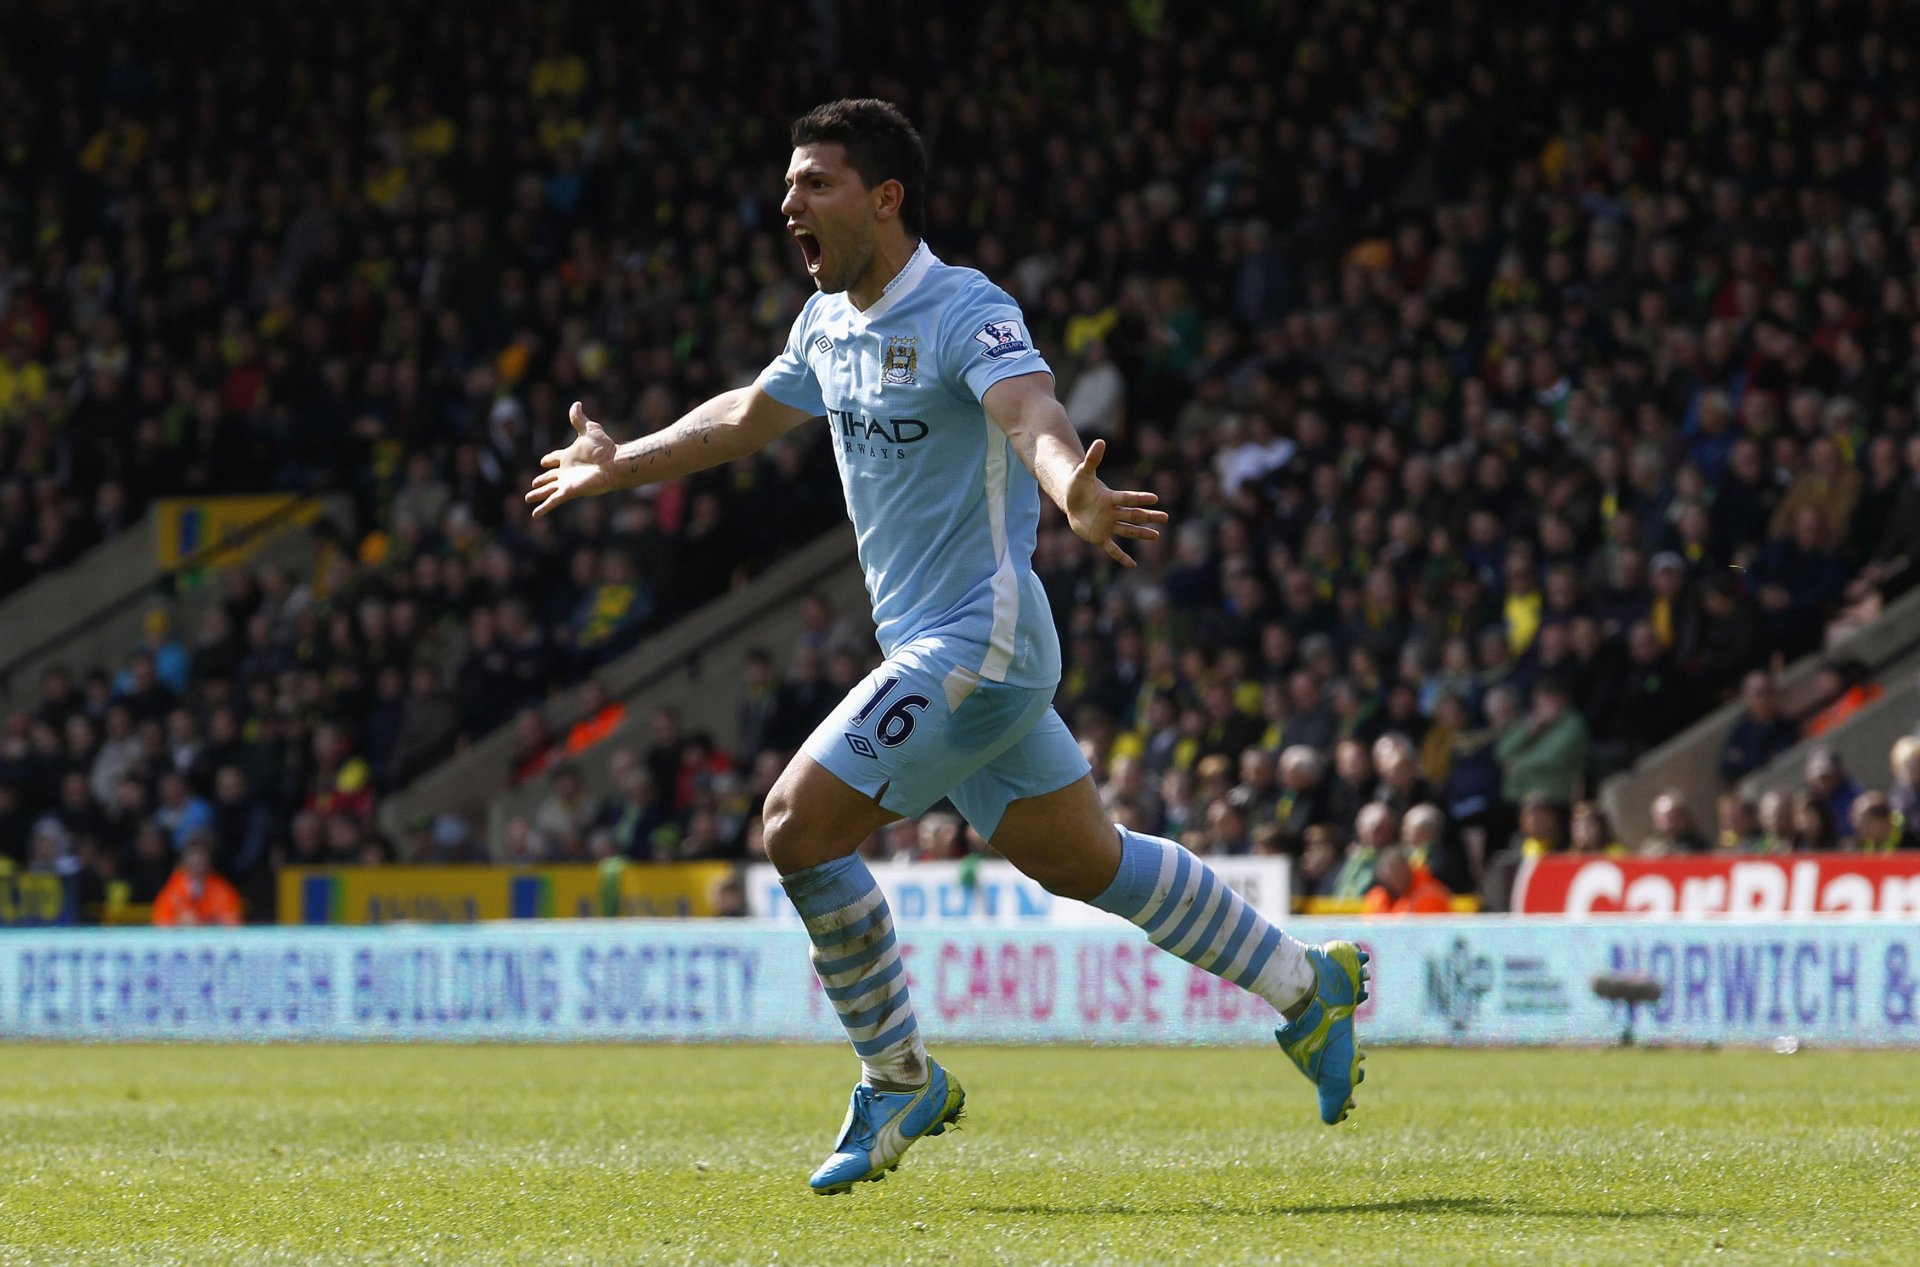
point(34, 899)
point(462, 895)
point(994, 892)
point(1790, 886)
point(1468, 981)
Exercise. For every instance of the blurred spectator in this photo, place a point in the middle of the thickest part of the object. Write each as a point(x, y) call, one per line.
point(1829, 784)
point(242, 831)
point(428, 731)
point(1889, 571)
point(1776, 822)
point(1257, 794)
point(1843, 688)
point(1539, 833)
point(566, 815)
point(633, 811)
point(1374, 831)
point(1424, 835)
point(1319, 866)
point(1903, 794)
point(196, 893)
point(826, 632)
point(1403, 887)
point(1739, 824)
point(534, 745)
point(1401, 785)
point(181, 812)
point(728, 897)
point(150, 864)
point(942, 838)
point(1760, 733)
point(759, 710)
point(1546, 753)
point(599, 717)
point(1812, 824)
point(1797, 579)
point(1226, 833)
point(1590, 833)
point(1876, 828)
point(1303, 798)
point(1825, 486)
point(51, 849)
point(1653, 702)
point(1674, 830)
point(1353, 785)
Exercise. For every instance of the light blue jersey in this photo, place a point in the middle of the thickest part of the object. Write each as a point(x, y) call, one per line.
point(944, 510)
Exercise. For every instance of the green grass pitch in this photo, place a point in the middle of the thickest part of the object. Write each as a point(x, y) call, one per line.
point(264, 1155)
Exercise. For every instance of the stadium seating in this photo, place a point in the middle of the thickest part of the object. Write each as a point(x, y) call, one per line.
point(1515, 388)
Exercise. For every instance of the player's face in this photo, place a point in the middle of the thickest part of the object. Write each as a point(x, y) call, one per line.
point(830, 213)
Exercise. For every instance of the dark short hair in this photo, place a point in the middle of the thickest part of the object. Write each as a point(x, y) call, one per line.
point(880, 144)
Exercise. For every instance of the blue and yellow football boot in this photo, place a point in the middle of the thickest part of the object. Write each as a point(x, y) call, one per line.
point(881, 1126)
point(1321, 1043)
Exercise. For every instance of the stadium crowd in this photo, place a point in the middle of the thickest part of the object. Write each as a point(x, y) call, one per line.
point(1518, 389)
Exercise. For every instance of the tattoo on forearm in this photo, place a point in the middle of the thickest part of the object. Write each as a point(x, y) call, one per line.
point(655, 447)
point(651, 450)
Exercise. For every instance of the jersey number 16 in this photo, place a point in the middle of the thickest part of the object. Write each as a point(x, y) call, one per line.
point(896, 724)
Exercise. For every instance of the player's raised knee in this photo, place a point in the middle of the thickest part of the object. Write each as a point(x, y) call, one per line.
point(781, 829)
point(1064, 877)
point(812, 817)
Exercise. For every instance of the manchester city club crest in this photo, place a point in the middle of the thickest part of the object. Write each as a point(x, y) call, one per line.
point(902, 359)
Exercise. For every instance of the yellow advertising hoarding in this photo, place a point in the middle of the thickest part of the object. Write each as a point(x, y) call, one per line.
point(460, 895)
point(184, 526)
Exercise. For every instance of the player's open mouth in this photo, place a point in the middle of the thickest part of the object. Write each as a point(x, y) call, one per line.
point(809, 247)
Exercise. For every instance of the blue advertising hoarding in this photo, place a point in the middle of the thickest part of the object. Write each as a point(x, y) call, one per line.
point(34, 899)
point(1467, 981)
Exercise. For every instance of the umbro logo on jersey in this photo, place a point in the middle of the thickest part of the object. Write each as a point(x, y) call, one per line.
point(823, 344)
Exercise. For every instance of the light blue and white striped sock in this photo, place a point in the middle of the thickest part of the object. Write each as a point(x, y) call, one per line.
point(857, 958)
point(1187, 910)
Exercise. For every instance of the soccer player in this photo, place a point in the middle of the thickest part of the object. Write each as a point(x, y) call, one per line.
point(946, 431)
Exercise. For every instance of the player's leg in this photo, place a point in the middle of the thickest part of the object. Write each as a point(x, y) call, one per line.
point(814, 821)
point(880, 755)
point(1064, 840)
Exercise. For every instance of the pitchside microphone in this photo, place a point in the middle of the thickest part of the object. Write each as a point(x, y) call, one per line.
point(1630, 988)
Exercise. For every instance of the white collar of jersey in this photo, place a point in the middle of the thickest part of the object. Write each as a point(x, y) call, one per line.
point(899, 288)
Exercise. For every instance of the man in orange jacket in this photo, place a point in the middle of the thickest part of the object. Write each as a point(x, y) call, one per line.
point(1402, 888)
point(195, 893)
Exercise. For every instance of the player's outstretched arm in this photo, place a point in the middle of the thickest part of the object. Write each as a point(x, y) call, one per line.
point(1025, 408)
point(731, 425)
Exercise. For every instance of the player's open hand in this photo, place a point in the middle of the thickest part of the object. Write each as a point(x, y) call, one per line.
point(1102, 517)
point(584, 468)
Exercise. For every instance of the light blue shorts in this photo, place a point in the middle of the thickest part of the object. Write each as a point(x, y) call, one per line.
point(918, 729)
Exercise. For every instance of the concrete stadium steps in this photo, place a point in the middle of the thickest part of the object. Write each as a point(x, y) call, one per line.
point(1863, 742)
point(92, 614)
point(692, 665)
point(42, 610)
point(1690, 761)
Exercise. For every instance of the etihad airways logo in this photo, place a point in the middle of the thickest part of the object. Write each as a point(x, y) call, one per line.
point(862, 436)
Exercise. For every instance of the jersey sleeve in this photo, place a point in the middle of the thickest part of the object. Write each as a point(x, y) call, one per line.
point(789, 379)
point(985, 339)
